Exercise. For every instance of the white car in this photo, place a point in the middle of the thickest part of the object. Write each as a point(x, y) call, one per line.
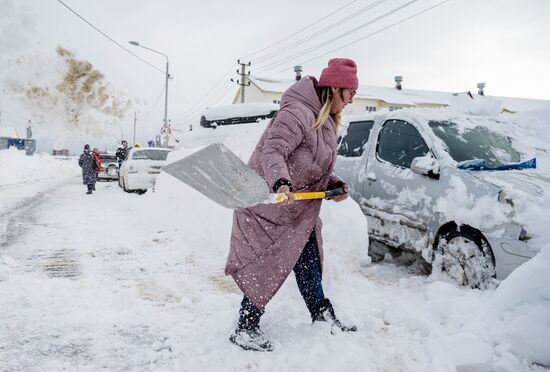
point(445, 185)
point(141, 168)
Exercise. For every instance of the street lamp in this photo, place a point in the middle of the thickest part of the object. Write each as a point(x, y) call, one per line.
point(167, 76)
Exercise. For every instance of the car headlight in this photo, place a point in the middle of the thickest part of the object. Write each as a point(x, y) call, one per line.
point(504, 198)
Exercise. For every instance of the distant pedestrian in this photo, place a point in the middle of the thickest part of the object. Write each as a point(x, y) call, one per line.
point(88, 164)
point(97, 157)
point(122, 152)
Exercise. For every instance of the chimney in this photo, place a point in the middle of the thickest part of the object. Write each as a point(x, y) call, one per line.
point(480, 87)
point(298, 71)
point(398, 80)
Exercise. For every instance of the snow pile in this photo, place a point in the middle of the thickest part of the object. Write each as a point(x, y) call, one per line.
point(61, 93)
point(16, 167)
point(476, 104)
point(65, 93)
point(521, 305)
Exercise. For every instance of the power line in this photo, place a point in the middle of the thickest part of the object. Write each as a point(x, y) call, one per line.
point(372, 34)
point(218, 98)
point(156, 102)
point(315, 47)
point(300, 30)
point(108, 37)
point(320, 32)
point(223, 83)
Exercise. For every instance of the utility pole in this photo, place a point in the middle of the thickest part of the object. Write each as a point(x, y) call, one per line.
point(242, 82)
point(134, 127)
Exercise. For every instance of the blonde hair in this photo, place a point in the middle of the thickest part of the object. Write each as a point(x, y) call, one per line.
point(326, 101)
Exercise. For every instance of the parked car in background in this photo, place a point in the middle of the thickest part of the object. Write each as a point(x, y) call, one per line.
point(238, 114)
point(433, 182)
point(109, 167)
point(140, 170)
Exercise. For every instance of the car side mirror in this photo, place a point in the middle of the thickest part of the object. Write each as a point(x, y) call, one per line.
point(426, 166)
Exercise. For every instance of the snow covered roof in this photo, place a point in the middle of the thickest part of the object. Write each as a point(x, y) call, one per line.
point(239, 110)
point(408, 97)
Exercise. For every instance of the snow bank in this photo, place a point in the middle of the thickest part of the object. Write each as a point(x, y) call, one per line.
point(521, 305)
point(16, 167)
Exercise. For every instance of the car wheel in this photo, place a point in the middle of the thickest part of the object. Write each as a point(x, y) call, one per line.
point(466, 257)
point(141, 192)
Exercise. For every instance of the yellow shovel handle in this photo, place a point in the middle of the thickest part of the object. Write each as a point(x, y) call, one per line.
point(279, 197)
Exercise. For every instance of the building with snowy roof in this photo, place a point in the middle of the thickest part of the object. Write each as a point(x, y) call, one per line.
point(372, 98)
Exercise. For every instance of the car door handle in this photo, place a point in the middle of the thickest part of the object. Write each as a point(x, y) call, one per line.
point(371, 176)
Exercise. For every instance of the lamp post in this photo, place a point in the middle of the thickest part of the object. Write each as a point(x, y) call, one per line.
point(166, 84)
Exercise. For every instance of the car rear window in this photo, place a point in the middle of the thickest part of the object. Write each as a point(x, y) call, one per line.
point(357, 135)
point(150, 155)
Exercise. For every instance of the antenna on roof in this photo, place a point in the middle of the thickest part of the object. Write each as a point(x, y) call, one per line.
point(480, 87)
point(398, 80)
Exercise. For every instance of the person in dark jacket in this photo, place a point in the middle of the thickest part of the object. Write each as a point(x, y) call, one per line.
point(122, 152)
point(296, 152)
point(89, 166)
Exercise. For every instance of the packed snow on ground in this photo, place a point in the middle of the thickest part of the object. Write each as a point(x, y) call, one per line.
point(118, 281)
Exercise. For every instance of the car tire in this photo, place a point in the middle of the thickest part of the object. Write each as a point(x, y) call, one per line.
point(466, 256)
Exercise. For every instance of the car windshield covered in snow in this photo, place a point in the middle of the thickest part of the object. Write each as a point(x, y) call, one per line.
point(475, 143)
point(150, 155)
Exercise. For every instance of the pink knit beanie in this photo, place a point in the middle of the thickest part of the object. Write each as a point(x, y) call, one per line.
point(340, 73)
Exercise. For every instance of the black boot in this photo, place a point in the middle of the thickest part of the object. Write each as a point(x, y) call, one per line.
point(325, 313)
point(248, 334)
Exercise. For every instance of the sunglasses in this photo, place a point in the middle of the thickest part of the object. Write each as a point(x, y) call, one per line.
point(352, 92)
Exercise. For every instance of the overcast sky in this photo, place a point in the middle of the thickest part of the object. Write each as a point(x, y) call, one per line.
point(449, 48)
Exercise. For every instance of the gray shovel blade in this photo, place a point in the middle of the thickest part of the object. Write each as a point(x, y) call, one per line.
point(221, 176)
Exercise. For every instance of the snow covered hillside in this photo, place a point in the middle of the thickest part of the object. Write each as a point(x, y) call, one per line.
point(120, 281)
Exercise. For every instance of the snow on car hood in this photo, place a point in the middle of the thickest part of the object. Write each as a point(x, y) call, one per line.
point(516, 182)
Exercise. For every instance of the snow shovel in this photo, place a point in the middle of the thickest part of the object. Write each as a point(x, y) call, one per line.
point(221, 176)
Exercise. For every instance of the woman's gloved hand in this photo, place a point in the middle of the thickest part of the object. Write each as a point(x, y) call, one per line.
point(339, 198)
point(285, 189)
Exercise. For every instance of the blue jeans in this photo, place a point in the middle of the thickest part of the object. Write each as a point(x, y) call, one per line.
point(308, 276)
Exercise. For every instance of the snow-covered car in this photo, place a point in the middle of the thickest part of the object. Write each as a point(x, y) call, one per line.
point(140, 170)
point(444, 185)
point(238, 114)
point(109, 167)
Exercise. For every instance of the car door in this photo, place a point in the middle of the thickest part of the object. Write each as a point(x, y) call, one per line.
point(350, 152)
point(397, 200)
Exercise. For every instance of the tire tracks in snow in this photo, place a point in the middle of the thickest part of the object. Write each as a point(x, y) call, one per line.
point(15, 223)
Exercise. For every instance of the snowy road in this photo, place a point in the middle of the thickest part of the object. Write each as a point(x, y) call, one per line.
point(119, 281)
